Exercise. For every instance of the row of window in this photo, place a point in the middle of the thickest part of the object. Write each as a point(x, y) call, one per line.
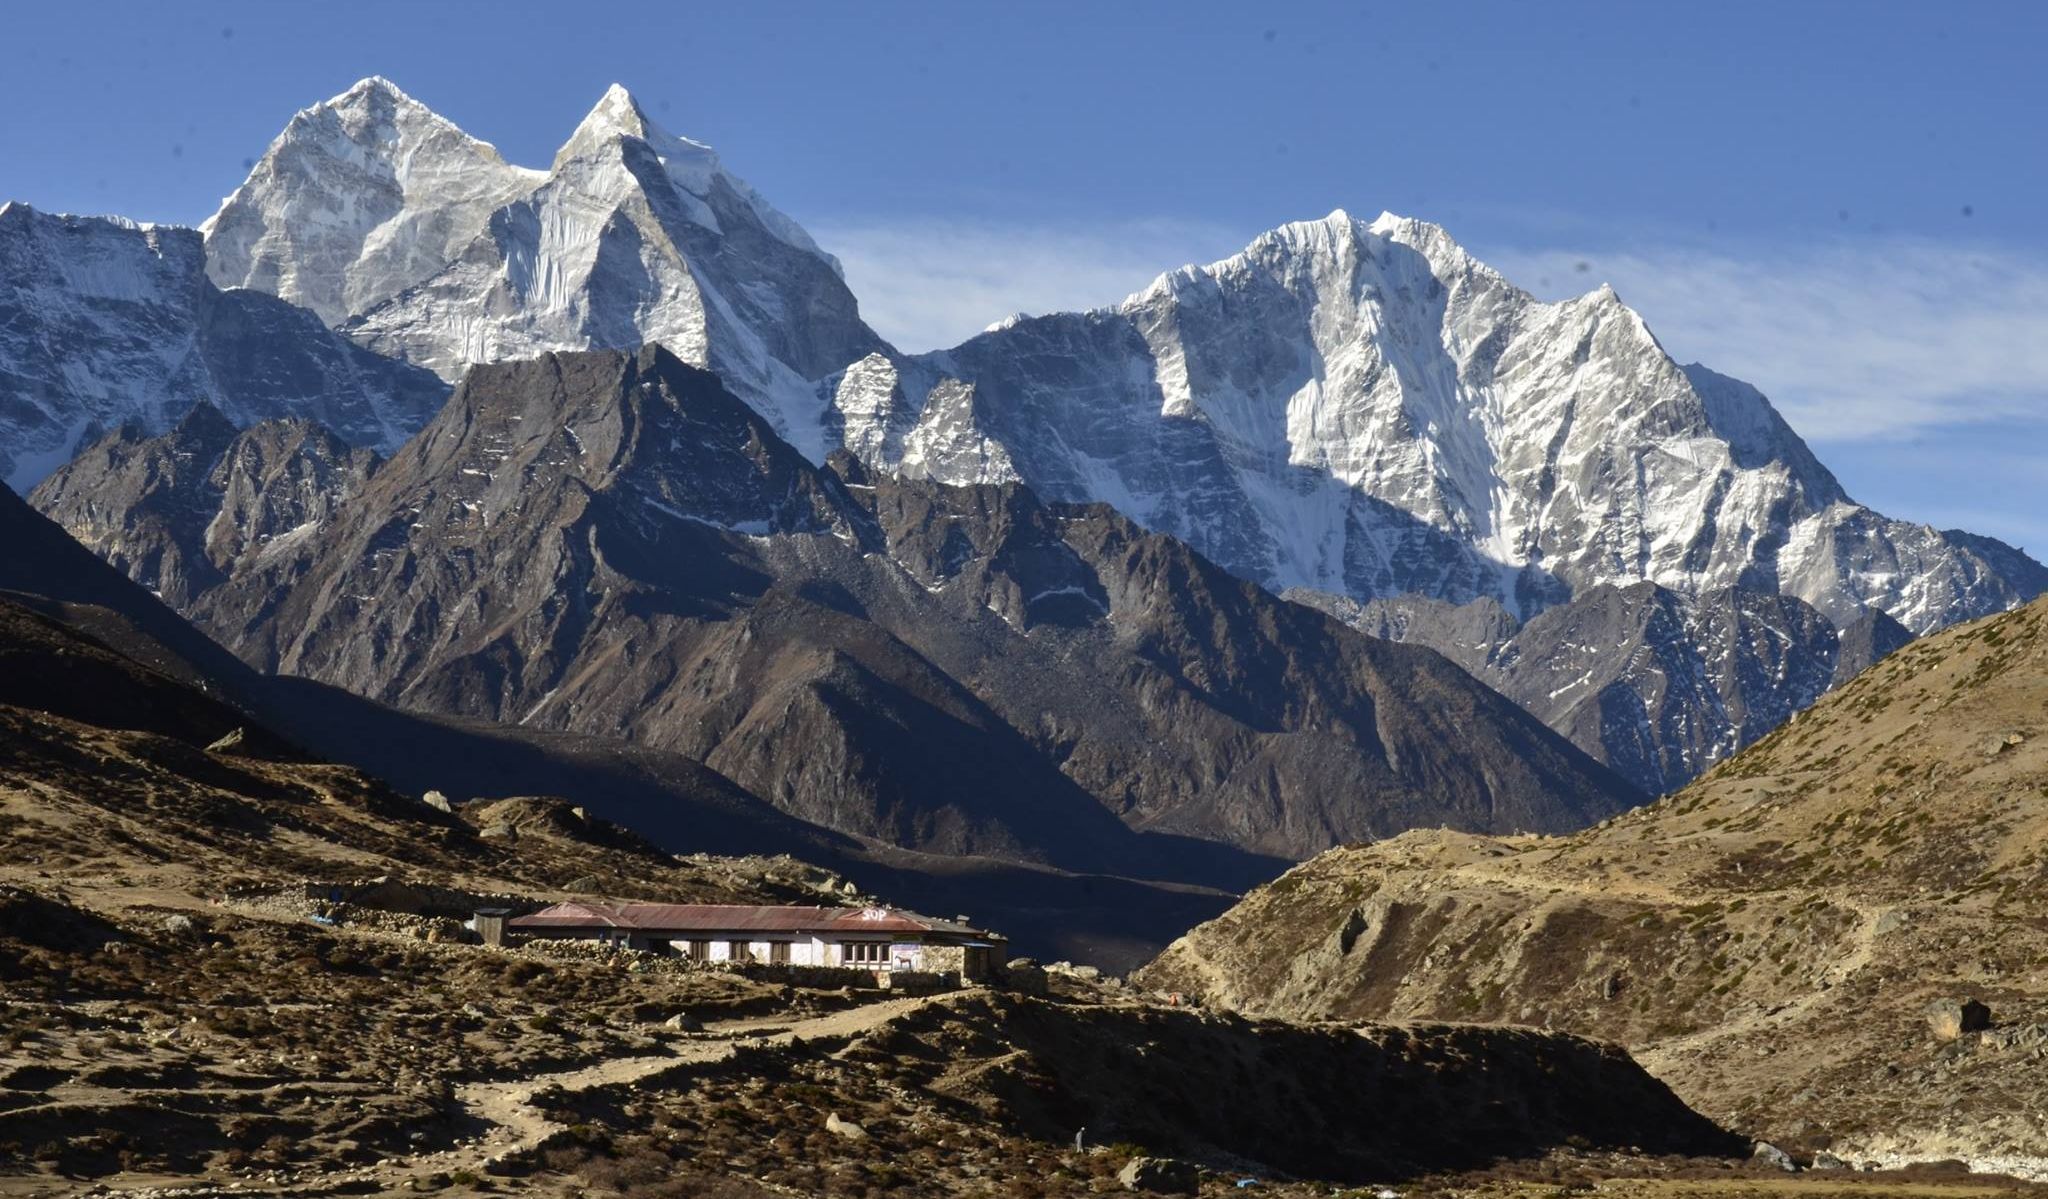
point(853, 953)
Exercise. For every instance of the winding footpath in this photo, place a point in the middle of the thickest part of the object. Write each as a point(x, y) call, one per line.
point(514, 1126)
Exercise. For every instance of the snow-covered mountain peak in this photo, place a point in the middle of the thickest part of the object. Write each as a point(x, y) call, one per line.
point(361, 196)
point(616, 115)
point(371, 85)
point(1367, 409)
point(693, 166)
point(634, 235)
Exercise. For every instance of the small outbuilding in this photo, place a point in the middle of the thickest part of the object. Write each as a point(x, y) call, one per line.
point(882, 940)
point(490, 924)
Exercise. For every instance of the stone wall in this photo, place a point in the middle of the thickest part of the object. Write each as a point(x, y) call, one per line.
point(822, 978)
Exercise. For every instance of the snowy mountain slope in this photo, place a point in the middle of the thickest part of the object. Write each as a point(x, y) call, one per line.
point(105, 322)
point(632, 236)
point(359, 198)
point(1367, 410)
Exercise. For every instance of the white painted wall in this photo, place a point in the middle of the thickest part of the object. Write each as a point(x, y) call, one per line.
point(810, 951)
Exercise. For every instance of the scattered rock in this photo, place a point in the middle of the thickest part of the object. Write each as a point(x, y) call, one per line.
point(1999, 744)
point(1951, 1018)
point(1025, 975)
point(1827, 1161)
point(845, 1128)
point(847, 888)
point(502, 831)
point(1892, 922)
point(587, 884)
point(437, 801)
point(228, 744)
point(685, 1022)
point(178, 924)
point(1770, 1155)
point(1163, 1175)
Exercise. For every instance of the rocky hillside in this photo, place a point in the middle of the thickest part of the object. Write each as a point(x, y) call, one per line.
point(1770, 939)
point(674, 800)
point(230, 965)
point(181, 512)
point(1656, 684)
point(612, 545)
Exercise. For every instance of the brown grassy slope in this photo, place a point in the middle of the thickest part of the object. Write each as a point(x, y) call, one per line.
point(1767, 939)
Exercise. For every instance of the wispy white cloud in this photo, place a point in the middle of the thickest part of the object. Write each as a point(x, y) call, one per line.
point(1880, 340)
point(926, 284)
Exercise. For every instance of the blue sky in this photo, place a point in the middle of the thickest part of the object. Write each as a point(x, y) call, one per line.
point(1846, 204)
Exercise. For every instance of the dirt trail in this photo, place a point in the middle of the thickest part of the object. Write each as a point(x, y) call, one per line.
point(516, 1126)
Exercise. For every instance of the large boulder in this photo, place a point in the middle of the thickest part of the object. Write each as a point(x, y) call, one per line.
point(844, 1128)
point(1767, 1154)
point(1160, 1175)
point(1951, 1018)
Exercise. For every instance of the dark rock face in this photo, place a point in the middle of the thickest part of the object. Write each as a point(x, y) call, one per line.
point(104, 323)
point(1160, 1175)
point(1657, 685)
point(1864, 642)
point(612, 544)
point(180, 513)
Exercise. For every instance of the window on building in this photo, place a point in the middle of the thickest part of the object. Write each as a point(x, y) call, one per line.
point(740, 951)
point(778, 953)
point(865, 953)
point(700, 951)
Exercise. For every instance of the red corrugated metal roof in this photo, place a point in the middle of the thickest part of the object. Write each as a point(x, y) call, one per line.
point(730, 918)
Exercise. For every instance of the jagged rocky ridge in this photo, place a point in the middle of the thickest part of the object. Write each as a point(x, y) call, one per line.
point(104, 322)
point(1656, 684)
point(674, 800)
point(611, 543)
point(181, 512)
